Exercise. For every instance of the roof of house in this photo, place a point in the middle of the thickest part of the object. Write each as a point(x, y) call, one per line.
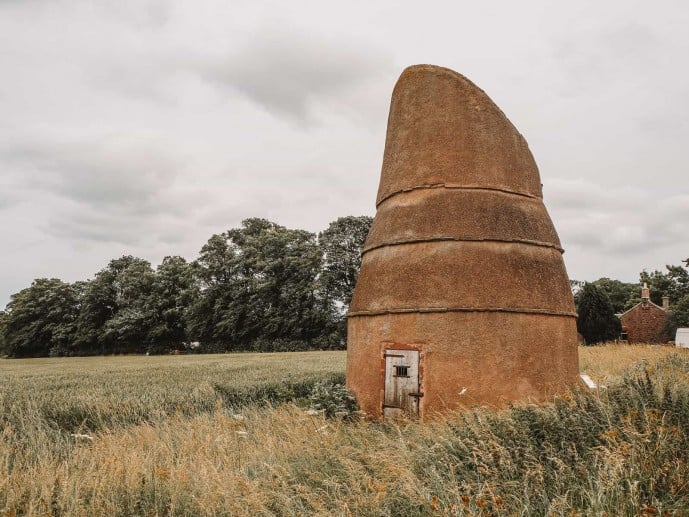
point(643, 302)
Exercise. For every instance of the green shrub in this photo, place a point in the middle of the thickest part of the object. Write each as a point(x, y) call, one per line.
point(335, 400)
point(596, 320)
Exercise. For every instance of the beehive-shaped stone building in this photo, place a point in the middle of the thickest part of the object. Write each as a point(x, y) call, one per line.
point(463, 296)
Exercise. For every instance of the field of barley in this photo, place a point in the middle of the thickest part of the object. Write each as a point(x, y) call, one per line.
point(232, 435)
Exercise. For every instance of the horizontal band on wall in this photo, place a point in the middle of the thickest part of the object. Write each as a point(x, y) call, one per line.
point(426, 310)
point(455, 186)
point(455, 239)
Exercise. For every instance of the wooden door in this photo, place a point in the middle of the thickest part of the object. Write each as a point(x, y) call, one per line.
point(401, 383)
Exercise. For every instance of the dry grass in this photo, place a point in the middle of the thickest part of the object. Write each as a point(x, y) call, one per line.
point(606, 362)
point(622, 450)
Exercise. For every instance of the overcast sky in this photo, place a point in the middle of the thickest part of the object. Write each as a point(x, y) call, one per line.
point(143, 127)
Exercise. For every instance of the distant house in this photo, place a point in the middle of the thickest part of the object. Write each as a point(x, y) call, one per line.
point(644, 323)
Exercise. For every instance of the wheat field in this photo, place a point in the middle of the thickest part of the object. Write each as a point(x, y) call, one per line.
point(231, 435)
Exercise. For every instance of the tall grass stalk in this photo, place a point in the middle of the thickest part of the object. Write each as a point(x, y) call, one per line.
point(622, 450)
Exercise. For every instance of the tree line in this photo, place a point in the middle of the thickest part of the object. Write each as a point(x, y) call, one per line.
point(599, 301)
point(259, 287)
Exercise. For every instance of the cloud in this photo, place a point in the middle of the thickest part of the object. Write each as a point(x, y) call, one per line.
point(5, 200)
point(141, 14)
point(114, 189)
point(606, 57)
point(618, 220)
point(224, 91)
point(109, 172)
point(286, 73)
point(136, 13)
point(141, 80)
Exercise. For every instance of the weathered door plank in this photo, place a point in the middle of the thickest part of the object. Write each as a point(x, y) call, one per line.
point(401, 383)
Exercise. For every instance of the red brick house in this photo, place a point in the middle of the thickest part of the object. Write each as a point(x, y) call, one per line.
point(644, 322)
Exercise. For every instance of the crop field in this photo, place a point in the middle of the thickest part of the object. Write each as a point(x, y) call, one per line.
point(98, 392)
point(231, 435)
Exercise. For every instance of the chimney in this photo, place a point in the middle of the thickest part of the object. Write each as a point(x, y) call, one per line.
point(645, 293)
point(666, 303)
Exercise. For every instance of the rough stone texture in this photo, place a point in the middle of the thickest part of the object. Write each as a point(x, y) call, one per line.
point(462, 262)
point(444, 130)
point(644, 322)
point(463, 275)
point(467, 215)
point(497, 356)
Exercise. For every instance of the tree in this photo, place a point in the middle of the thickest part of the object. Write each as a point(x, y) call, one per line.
point(115, 316)
point(678, 317)
point(217, 276)
point(341, 243)
point(596, 321)
point(259, 287)
point(680, 312)
point(674, 283)
point(173, 292)
point(621, 294)
point(41, 319)
point(3, 323)
point(278, 289)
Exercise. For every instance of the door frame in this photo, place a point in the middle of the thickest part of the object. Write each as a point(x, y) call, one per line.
point(390, 345)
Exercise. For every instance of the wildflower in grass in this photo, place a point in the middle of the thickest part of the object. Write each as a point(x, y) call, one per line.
point(161, 473)
point(648, 510)
point(331, 398)
point(610, 435)
point(82, 437)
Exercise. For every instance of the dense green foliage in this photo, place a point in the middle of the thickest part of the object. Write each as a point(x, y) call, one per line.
point(679, 317)
point(40, 318)
point(114, 316)
point(258, 287)
point(622, 295)
point(674, 283)
point(342, 243)
point(261, 288)
point(3, 320)
point(596, 321)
